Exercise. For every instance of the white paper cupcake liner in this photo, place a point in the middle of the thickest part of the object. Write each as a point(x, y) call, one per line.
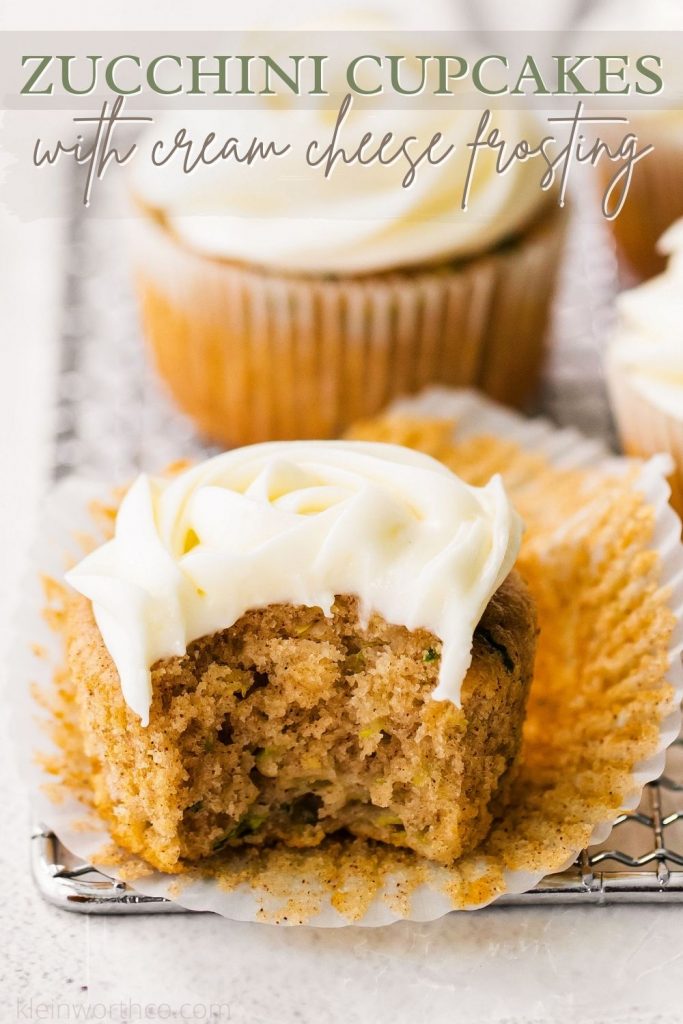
point(66, 514)
point(253, 355)
point(645, 428)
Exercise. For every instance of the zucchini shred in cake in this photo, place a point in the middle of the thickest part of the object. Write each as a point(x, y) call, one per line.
point(296, 640)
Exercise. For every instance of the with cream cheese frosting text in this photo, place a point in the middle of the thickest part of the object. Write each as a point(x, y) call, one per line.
point(284, 215)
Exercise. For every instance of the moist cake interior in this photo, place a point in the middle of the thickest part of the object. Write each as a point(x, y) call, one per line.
point(291, 725)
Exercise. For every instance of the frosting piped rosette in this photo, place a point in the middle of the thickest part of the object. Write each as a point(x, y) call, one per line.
point(298, 523)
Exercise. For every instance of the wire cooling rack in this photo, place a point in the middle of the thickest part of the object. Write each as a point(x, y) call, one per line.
point(641, 862)
point(113, 419)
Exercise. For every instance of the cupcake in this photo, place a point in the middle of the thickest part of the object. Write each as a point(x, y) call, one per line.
point(655, 194)
point(294, 640)
point(279, 303)
point(645, 364)
point(655, 198)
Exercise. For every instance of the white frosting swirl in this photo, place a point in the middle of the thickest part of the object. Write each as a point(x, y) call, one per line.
point(648, 341)
point(284, 215)
point(298, 523)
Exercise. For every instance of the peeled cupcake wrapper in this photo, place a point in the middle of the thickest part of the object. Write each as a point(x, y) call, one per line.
point(253, 355)
point(67, 515)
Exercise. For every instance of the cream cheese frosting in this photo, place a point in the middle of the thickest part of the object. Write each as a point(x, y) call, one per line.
point(298, 523)
point(648, 341)
point(284, 215)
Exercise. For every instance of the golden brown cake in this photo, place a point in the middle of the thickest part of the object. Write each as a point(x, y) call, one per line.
point(289, 726)
point(652, 126)
point(655, 198)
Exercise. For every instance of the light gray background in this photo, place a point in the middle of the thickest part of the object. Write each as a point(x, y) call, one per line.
point(532, 966)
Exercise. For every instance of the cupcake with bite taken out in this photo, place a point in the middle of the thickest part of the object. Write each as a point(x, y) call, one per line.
point(294, 640)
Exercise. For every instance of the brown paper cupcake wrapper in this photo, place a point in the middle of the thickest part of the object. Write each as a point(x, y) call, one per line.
point(646, 430)
point(654, 202)
point(604, 560)
point(253, 355)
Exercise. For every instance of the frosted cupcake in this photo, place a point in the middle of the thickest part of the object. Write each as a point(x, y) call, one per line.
point(655, 197)
point(290, 640)
point(280, 304)
point(645, 364)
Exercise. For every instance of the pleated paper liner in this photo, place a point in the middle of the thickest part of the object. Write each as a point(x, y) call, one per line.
point(603, 557)
point(252, 355)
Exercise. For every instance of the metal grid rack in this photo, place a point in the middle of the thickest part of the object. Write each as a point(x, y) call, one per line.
point(638, 864)
point(112, 418)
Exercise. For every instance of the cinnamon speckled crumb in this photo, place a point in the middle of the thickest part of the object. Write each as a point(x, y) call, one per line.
point(291, 725)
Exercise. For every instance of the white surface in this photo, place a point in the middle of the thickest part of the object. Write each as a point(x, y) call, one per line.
point(535, 966)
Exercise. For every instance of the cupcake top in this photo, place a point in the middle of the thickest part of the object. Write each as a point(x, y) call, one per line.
point(298, 523)
point(284, 215)
point(648, 341)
